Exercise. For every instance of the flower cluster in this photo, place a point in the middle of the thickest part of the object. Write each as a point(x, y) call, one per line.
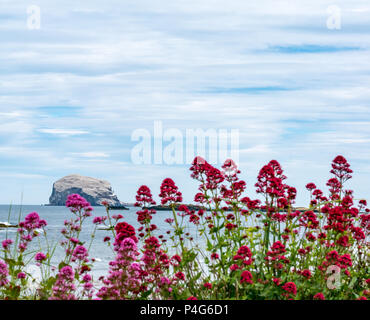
point(28, 229)
point(169, 192)
point(230, 247)
point(125, 274)
point(4, 272)
point(64, 287)
point(76, 204)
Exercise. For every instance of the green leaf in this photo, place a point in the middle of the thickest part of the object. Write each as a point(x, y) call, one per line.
point(146, 294)
point(352, 283)
point(62, 265)
point(209, 245)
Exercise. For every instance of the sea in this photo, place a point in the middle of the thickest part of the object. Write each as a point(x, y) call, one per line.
point(55, 217)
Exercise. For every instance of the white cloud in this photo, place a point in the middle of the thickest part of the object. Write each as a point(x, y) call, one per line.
point(127, 64)
point(92, 155)
point(64, 132)
point(360, 10)
point(22, 175)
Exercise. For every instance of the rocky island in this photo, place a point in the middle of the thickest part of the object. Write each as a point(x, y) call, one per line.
point(93, 190)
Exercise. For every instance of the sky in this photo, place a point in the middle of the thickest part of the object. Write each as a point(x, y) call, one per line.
point(73, 91)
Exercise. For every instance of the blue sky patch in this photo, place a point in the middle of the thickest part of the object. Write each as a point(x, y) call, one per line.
point(311, 48)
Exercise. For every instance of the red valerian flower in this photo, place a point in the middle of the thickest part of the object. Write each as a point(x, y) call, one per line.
point(144, 216)
point(151, 242)
point(246, 277)
point(40, 257)
point(199, 167)
point(341, 169)
point(347, 201)
point(278, 247)
point(230, 226)
point(310, 186)
point(270, 180)
point(358, 233)
point(169, 192)
point(214, 178)
point(234, 267)
point(194, 219)
point(244, 251)
point(290, 287)
point(77, 203)
point(363, 202)
point(345, 261)
point(176, 259)
point(6, 243)
point(251, 204)
point(282, 203)
point(309, 220)
point(208, 285)
point(335, 187)
point(125, 230)
point(343, 241)
point(319, 296)
point(306, 273)
point(180, 275)
point(214, 256)
point(200, 198)
point(144, 197)
point(124, 227)
point(192, 298)
point(332, 256)
point(231, 169)
point(310, 237)
point(183, 208)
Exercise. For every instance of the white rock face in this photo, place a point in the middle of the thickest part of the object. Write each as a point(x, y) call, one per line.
point(93, 190)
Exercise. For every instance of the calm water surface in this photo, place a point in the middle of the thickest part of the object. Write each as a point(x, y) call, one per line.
point(55, 217)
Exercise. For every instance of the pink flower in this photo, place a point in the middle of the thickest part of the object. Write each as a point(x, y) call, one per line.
point(74, 240)
point(64, 287)
point(4, 272)
point(76, 203)
point(128, 244)
point(86, 278)
point(99, 220)
point(40, 257)
point(6, 243)
point(31, 222)
point(80, 253)
point(67, 272)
